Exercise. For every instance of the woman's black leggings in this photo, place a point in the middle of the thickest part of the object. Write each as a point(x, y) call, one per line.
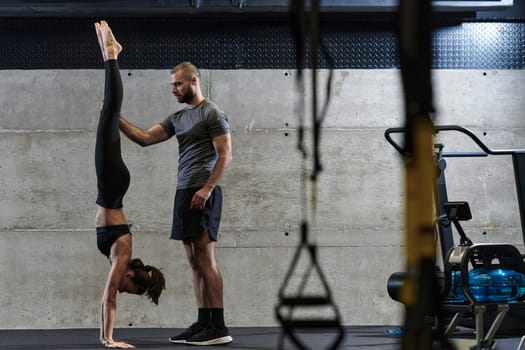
point(112, 174)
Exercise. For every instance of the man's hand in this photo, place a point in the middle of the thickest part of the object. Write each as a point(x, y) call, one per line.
point(199, 199)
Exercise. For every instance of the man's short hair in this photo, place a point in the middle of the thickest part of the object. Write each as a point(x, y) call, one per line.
point(189, 70)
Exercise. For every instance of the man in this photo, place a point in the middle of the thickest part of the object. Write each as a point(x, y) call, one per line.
point(205, 153)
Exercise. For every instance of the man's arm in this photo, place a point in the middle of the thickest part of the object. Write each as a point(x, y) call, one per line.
point(223, 147)
point(153, 135)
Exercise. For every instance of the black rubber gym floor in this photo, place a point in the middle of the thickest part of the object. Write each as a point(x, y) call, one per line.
point(245, 338)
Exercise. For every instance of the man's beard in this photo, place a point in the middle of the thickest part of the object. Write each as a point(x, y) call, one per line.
point(185, 98)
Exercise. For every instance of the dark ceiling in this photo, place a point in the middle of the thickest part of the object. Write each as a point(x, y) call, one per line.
point(88, 8)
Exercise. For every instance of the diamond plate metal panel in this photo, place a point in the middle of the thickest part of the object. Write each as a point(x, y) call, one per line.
point(249, 43)
point(480, 45)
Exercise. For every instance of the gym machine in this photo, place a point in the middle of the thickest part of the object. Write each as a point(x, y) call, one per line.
point(482, 286)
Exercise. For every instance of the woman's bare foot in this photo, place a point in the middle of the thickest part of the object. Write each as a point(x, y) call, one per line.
point(108, 44)
point(98, 29)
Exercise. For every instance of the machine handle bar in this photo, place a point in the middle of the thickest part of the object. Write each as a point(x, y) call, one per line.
point(486, 150)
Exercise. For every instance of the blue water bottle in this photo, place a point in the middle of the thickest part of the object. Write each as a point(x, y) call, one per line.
point(495, 285)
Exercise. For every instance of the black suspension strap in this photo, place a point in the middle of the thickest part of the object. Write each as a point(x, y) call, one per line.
point(295, 302)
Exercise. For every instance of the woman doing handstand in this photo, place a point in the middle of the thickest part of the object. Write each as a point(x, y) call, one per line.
point(113, 234)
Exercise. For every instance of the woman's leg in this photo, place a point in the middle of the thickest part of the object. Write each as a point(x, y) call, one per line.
point(112, 174)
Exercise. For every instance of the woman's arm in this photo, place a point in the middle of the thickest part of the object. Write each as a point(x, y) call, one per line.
point(120, 257)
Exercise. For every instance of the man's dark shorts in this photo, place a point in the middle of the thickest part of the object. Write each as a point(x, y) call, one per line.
point(192, 223)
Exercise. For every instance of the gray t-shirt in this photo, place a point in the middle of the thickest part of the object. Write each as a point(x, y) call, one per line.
point(195, 128)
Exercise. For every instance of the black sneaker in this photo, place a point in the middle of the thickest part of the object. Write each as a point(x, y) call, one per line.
point(187, 334)
point(211, 335)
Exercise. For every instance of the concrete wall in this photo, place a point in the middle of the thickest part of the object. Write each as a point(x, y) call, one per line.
point(52, 275)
